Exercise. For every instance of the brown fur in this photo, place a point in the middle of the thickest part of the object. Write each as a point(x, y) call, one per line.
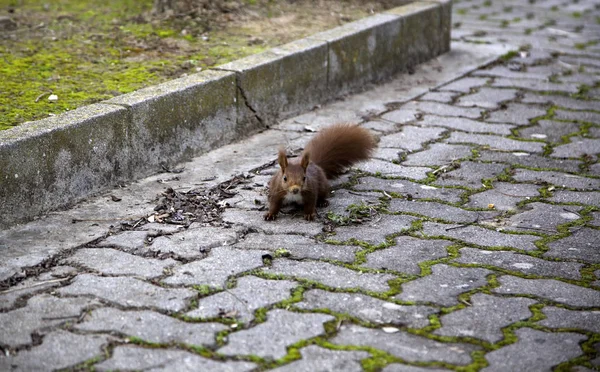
point(326, 156)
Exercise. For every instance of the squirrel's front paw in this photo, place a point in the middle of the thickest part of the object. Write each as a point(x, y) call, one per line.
point(310, 216)
point(270, 216)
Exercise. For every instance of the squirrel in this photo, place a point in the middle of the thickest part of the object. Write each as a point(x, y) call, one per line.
point(305, 180)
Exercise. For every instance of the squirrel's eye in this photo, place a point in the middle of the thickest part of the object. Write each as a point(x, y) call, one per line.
point(284, 178)
point(304, 178)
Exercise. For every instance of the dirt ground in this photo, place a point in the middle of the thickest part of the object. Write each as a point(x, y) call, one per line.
point(61, 54)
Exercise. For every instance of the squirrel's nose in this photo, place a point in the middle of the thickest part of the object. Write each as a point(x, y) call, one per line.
point(295, 191)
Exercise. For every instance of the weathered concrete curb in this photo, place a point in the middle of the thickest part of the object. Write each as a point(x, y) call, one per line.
point(51, 163)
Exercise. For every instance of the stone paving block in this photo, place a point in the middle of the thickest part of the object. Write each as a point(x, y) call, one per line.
point(495, 142)
point(289, 223)
point(489, 98)
point(536, 85)
point(196, 241)
point(438, 154)
point(344, 198)
point(402, 116)
point(562, 101)
point(126, 240)
point(156, 229)
point(368, 308)
point(113, 262)
point(595, 219)
point(480, 236)
point(548, 130)
point(534, 72)
point(544, 218)
point(442, 109)
point(470, 174)
point(315, 358)
point(379, 125)
point(129, 357)
point(388, 154)
point(516, 113)
point(578, 147)
point(465, 85)
point(129, 292)
point(409, 189)
point(581, 245)
point(410, 348)
point(580, 116)
point(375, 231)
point(466, 125)
point(441, 211)
point(394, 367)
point(557, 179)
point(406, 254)
point(298, 246)
point(151, 327)
point(530, 160)
point(410, 138)
point(554, 290)
point(214, 270)
point(249, 294)
point(33, 285)
point(535, 350)
point(389, 169)
point(522, 263)
point(271, 338)
point(581, 197)
point(330, 275)
point(443, 97)
point(503, 195)
point(443, 285)
point(59, 350)
point(485, 318)
point(557, 317)
point(41, 313)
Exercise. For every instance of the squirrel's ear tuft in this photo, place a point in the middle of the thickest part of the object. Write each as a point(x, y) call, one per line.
point(305, 160)
point(282, 158)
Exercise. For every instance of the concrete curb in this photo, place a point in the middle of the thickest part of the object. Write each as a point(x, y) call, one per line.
point(54, 162)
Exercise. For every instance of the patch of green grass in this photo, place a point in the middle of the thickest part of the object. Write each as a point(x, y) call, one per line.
point(576, 14)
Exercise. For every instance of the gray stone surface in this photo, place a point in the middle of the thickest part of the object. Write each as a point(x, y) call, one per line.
point(270, 339)
point(443, 285)
point(554, 290)
point(298, 246)
point(442, 109)
point(480, 236)
point(465, 85)
point(550, 131)
point(582, 244)
point(438, 154)
point(470, 174)
point(543, 218)
point(249, 294)
point(531, 160)
point(113, 262)
point(151, 327)
point(441, 211)
point(503, 196)
point(579, 116)
point(408, 188)
point(522, 263)
point(40, 314)
point(195, 241)
point(387, 169)
point(406, 254)
point(535, 350)
point(33, 285)
point(577, 147)
point(126, 240)
point(542, 86)
point(465, 125)
point(53, 355)
point(443, 97)
point(557, 179)
point(591, 198)
point(562, 101)
point(315, 358)
point(131, 357)
point(289, 223)
point(214, 270)
point(374, 231)
point(129, 292)
point(557, 317)
point(410, 138)
point(367, 308)
point(394, 367)
point(495, 142)
point(330, 275)
point(487, 97)
point(404, 345)
point(485, 318)
point(517, 114)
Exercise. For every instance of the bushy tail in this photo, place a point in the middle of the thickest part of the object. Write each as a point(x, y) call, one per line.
point(338, 146)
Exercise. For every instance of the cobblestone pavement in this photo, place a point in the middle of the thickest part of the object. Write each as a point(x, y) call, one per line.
point(470, 242)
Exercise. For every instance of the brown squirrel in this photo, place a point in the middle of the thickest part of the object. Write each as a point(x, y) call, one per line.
point(305, 181)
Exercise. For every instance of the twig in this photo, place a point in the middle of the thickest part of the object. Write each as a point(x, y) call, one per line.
point(34, 285)
point(43, 95)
